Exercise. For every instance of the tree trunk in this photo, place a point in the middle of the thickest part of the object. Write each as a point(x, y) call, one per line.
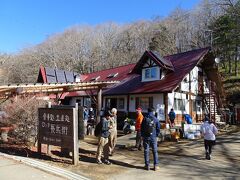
point(229, 65)
point(236, 61)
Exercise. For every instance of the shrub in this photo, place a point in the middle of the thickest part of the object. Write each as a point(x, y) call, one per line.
point(22, 114)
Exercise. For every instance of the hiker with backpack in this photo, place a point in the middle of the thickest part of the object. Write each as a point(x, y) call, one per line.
point(172, 117)
point(102, 131)
point(150, 129)
point(209, 131)
point(113, 131)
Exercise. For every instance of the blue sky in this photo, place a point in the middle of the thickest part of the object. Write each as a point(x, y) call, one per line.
point(29, 22)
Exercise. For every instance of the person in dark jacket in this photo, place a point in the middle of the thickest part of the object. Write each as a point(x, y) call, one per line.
point(103, 145)
point(150, 140)
point(172, 117)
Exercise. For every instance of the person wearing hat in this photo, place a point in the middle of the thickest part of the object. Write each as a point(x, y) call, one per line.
point(139, 119)
point(113, 131)
point(209, 131)
point(103, 145)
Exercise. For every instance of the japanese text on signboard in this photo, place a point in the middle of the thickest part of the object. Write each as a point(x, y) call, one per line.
point(56, 126)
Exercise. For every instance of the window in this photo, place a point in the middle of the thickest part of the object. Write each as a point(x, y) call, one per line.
point(95, 78)
point(120, 103)
point(114, 103)
point(87, 102)
point(197, 104)
point(112, 75)
point(150, 74)
point(144, 102)
point(179, 104)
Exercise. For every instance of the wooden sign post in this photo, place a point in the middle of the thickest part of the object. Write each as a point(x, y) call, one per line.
point(59, 127)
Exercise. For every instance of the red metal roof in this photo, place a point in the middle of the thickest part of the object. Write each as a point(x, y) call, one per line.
point(131, 83)
point(123, 72)
point(178, 66)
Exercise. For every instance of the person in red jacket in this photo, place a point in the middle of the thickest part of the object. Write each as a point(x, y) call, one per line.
point(139, 120)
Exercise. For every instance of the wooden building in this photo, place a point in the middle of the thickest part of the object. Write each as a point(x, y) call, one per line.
point(188, 82)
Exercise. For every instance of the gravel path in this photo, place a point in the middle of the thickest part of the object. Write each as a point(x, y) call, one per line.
point(186, 161)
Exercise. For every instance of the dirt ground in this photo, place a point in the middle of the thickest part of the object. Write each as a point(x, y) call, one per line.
point(183, 159)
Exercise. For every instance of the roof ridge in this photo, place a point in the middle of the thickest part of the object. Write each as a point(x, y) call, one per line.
point(187, 52)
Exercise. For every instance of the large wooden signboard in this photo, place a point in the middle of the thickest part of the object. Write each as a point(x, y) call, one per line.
point(59, 127)
point(56, 127)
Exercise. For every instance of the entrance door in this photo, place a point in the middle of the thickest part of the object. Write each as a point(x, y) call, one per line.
point(111, 103)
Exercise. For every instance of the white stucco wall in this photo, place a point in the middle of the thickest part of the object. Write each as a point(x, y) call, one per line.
point(192, 80)
point(185, 84)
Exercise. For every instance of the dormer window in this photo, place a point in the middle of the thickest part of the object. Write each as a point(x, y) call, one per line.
point(112, 75)
point(151, 73)
point(95, 78)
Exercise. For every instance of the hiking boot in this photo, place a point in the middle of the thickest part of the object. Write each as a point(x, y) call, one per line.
point(156, 168)
point(107, 162)
point(99, 162)
point(147, 168)
point(208, 156)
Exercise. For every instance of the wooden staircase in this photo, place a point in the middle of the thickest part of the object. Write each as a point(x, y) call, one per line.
point(211, 104)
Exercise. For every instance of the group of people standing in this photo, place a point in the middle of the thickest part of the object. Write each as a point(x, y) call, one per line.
point(107, 137)
point(147, 130)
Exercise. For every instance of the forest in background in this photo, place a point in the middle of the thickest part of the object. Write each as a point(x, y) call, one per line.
point(86, 49)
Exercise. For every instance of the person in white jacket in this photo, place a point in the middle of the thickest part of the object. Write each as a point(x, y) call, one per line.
point(209, 131)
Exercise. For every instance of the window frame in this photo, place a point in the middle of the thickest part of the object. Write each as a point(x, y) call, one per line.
point(179, 104)
point(153, 73)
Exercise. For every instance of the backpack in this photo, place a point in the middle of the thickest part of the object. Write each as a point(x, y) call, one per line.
point(171, 115)
point(98, 129)
point(149, 126)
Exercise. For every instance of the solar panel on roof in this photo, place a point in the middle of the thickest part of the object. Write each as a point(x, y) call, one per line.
point(60, 76)
point(50, 71)
point(51, 79)
point(69, 76)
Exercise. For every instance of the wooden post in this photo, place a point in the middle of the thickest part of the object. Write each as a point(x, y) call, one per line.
point(39, 145)
point(99, 105)
point(165, 100)
point(75, 156)
point(48, 146)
